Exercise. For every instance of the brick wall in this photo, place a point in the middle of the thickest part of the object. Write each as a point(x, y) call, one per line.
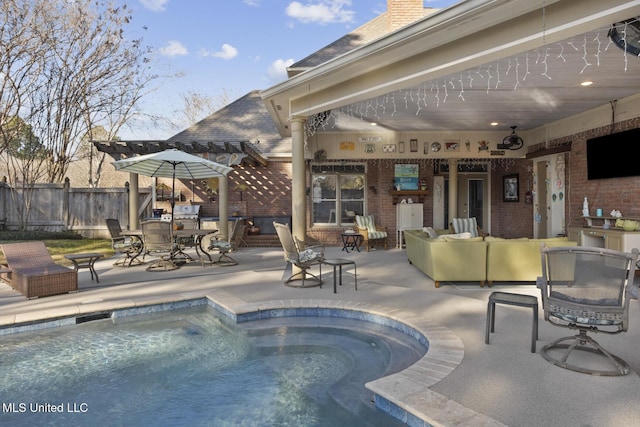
point(622, 194)
point(403, 12)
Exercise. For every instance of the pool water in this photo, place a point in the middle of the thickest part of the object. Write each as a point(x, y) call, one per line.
point(190, 367)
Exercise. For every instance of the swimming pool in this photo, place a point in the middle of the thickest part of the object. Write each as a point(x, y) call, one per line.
point(192, 367)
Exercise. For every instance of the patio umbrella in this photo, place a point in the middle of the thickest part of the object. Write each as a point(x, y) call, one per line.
point(172, 164)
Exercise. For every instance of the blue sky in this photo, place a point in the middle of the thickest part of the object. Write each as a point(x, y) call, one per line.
point(234, 46)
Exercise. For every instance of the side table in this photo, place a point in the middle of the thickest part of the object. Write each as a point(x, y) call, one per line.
point(351, 241)
point(339, 262)
point(85, 261)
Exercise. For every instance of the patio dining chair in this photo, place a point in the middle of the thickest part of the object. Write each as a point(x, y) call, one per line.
point(127, 246)
point(301, 256)
point(587, 289)
point(158, 240)
point(223, 247)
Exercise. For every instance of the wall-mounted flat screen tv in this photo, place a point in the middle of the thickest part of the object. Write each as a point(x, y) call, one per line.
point(614, 155)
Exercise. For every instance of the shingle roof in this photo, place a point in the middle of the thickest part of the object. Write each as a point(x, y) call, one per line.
point(245, 119)
point(361, 36)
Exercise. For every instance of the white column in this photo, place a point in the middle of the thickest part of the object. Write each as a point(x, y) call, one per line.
point(298, 183)
point(134, 202)
point(453, 190)
point(223, 206)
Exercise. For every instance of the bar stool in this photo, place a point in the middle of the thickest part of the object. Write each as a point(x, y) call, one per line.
point(511, 299)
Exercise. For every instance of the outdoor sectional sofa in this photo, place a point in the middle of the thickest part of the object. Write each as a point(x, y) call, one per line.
point(477, 259)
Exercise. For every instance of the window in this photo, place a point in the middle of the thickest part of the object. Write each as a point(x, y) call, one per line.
point(338, 193)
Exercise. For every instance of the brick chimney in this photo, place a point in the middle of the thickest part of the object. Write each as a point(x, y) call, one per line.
point(403, 12)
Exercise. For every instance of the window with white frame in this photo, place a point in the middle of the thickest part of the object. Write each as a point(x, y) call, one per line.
point(338, 193)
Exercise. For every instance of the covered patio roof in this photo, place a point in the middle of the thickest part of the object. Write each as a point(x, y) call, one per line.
point(516, 62)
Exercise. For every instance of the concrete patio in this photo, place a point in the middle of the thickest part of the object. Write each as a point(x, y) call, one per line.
point(498, 384)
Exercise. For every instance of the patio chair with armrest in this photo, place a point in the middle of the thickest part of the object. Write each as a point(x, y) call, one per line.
point(301, 256)
point(128, 246)
point(158, 240)
point(34, 273)
point(587, 289)
point(223, 247)
point(366, 226)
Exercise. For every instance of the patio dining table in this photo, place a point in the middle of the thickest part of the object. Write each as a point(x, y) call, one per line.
point(198, 236)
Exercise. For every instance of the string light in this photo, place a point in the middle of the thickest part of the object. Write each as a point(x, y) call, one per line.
point(512, 70)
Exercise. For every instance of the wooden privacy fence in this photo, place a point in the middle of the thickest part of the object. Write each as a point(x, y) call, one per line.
point(58, 207)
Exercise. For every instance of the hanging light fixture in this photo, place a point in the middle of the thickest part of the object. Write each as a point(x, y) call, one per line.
point(626, 35)
point(511, 142)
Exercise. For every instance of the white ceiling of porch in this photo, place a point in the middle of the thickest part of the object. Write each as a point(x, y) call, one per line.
point(528, 90)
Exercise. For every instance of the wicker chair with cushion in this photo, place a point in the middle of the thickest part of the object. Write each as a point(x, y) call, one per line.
point(366, 226)
point(128, 246)
point(34, 273)
point(587, 289)
point(302, 257)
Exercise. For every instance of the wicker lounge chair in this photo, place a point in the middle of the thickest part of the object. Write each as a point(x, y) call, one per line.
point(34, 273)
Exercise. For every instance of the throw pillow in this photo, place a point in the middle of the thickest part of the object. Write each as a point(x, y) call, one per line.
point(457, 236)
point(430, 231)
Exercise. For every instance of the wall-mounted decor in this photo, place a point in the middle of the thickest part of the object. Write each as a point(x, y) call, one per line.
point(406, 177)
point(510, 188)
point(370, 148)
point(347, 146)
point(370, 139)
point(426, 148)
point(435, 147)
point(401, 147)
point(389, 148)
point(452, 145)
point(413, 145)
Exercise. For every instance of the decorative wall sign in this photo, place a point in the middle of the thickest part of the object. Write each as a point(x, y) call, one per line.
point(452, 145)
point(426, 148)
point(370, 139)
point(389, 148)
point(435, 147)
point(370, 148)
point(413, 145)
point(406, 177)
point(401, 147)
point(347, 146)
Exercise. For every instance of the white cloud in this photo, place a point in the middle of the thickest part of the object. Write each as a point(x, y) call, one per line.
point(227, 52)
point(251, 2)
point(278, 69)
point(155, 5)
point(174, 48)
point(321, 11)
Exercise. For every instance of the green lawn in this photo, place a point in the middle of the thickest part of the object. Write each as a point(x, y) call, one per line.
point(59, 247)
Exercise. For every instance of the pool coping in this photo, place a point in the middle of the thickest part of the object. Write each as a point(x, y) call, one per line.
point(405, 395)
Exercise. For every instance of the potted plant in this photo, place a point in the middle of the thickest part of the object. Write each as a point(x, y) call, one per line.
point(253, 229)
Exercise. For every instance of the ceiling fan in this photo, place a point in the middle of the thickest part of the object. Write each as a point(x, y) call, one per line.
point(512, 141)
point(626, 35)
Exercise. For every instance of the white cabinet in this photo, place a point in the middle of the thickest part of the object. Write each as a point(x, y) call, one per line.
point(408, 216)
point(617, 239)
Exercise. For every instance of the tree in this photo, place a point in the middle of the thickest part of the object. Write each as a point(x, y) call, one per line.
point(81, 70)
point(197, 106)
point(66, 68)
